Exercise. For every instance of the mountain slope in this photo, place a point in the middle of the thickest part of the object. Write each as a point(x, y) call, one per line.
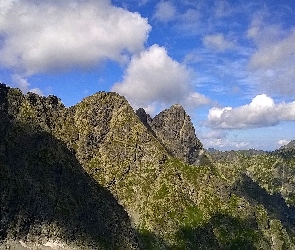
point(46, 195)
point(171, 204)
point(167, 200)
point(266, 179)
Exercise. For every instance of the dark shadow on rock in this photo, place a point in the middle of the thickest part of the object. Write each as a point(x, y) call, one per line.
point(151, 241)
point(46, 194)
point(233, 233)
point(275, 204)
point(197, 238)
point(221, 232)
point(285, 153)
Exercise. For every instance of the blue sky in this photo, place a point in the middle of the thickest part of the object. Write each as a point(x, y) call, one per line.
point(230, 63)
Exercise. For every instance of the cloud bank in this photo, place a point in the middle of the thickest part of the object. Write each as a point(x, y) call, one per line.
point(283, 142)
point(261, 112)
point(43, 36)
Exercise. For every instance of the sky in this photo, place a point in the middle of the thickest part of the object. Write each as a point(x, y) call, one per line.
point(229, 63)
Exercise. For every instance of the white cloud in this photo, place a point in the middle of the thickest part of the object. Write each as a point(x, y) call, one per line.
point(57, 35)
point(215, 134)
point(217, 138)
point(188, 23)
point(195, 99)
point(165, 11)
point(272, 64)
point(217, 42)
point(222, 9)
point(5, 5)
point(261, 112)
point(274, 54)
point(24, 85)
point(154, 77)
point(283, 142)
point(226, 144)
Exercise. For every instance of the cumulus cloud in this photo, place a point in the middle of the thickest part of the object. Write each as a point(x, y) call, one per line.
point(165, 11)
point(42, 36)
point(217, 42)
point(154, 77)
point(195, 99)
point(261, 112)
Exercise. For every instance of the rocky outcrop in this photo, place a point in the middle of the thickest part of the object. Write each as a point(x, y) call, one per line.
point(145, 118)
point(175, 130)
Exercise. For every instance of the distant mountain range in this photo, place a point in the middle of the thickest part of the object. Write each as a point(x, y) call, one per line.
point(100, 175)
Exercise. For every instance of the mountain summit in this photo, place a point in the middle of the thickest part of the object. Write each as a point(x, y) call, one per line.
point(176, 132)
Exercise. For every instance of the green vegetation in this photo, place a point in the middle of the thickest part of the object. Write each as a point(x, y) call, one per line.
point(76, 165)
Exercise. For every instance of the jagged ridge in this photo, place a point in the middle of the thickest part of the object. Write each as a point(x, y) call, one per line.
point(171, 204)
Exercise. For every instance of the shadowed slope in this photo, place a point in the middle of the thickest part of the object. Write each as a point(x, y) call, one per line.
point(275, 203)
point(47, 196)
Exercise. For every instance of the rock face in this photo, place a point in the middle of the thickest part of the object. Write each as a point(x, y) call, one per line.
point(175, 130)
point(145, 118)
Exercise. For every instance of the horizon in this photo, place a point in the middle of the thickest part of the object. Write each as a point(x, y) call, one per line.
point(230, 64)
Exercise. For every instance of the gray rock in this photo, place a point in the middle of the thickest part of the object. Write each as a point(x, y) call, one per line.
point(174, 129)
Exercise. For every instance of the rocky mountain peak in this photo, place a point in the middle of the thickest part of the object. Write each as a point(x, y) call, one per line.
point(46, 194)
point(174, 129)
point(177, 107)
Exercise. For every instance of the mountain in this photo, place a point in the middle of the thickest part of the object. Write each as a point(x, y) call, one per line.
point(100, 176)
point(46, 195)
